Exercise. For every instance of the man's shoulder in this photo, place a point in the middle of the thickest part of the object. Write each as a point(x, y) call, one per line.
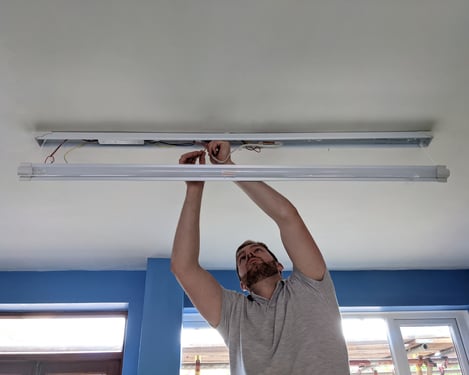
point(297, 277)
point(233, 295)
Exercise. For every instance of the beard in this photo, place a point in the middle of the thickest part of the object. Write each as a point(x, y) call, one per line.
point(258, 272)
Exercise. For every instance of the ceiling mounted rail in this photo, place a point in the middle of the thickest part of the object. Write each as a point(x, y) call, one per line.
point(361, 139)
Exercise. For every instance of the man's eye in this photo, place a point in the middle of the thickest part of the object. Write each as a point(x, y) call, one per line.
point(242, 257)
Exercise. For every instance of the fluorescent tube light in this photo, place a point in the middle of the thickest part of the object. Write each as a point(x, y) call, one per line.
point(197, 172)
point(418, 138)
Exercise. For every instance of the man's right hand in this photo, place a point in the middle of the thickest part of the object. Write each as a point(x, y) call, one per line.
point(192, 158)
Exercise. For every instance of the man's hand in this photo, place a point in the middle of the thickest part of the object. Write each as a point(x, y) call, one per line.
point(192, 158)
point(219, 152)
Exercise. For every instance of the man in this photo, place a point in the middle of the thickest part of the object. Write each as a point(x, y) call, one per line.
point(287, 327)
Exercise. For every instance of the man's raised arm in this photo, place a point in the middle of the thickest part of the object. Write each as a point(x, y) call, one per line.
point(203, 290)
point(296, 238)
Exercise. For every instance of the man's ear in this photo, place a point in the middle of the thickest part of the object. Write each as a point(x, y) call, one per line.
point(243, 287)
point(279, 267)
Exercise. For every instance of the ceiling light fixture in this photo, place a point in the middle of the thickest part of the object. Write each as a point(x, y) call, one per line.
point(197, 172)
point(416, 138)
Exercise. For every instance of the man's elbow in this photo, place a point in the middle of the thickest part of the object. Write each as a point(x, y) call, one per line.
point(288, 213)
point(180, 267)
point(175, 266)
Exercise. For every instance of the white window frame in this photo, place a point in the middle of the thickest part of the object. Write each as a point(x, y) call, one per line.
point(458, 320)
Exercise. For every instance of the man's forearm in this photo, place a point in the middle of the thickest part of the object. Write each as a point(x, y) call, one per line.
point(187, 238)
point(296, 238)
point(274, 204)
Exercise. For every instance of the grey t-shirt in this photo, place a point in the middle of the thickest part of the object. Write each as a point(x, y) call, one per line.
point(297, 332)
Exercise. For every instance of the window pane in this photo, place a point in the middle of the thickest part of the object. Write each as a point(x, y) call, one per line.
point(206, 344)
point(430, 349)
point(59, 334)
point(367, 345)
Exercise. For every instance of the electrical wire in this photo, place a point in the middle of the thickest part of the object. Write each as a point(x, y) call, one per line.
point(50, 159)
point(257, 147)
point(425, 150)
point(166, 143)
point(73, 149)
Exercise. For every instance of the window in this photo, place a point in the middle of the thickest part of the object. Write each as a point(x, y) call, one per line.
point(401, 343)
point(205, 344)
point(433, 346)
point(199, 340)
point(367, 345)
point(62, 343)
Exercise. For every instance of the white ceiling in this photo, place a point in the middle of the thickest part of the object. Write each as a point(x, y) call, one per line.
point(222, 65)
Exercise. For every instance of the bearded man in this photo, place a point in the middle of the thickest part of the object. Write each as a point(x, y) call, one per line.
point(286, 326)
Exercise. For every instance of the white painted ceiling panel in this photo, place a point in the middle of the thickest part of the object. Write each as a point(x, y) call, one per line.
point(224, 66)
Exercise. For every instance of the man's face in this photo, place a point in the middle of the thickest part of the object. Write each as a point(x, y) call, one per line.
point(254, 264)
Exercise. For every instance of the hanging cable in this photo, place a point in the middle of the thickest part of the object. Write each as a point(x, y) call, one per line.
point(73, 149)
point(425, 150)
point(50, 159)
point(257, 147)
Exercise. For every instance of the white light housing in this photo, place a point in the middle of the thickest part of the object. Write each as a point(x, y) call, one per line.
point(416, 139)
point(197, 172)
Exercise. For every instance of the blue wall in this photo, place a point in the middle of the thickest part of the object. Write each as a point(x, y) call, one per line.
point(82, 287)
point(155, 300)
point(389, 289)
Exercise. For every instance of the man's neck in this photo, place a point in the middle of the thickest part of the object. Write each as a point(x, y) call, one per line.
point(266, 287)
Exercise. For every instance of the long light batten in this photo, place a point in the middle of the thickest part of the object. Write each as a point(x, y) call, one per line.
point(149, 172)
point(404, 138)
